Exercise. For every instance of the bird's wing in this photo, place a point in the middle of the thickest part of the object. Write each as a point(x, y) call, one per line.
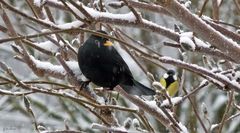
point(118, 61)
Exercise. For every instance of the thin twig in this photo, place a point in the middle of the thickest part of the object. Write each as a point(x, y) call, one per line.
point(147, 108)
point(216, 126)
point(206, 32)
point(203, 7)
point(30, 4)
point(81, 9)
point(215, 11)
point(30, 111)
point(237, 3)
point(228, 33)
point(230, 100)
point(75, 15)
point(137, 15)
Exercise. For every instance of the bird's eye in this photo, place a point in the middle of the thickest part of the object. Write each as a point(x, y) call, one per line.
point(97, 42)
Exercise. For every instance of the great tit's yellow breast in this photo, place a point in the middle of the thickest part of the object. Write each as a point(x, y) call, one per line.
point(173, 88)
point(163, 82)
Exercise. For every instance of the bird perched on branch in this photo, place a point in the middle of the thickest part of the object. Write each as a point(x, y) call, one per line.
point(170, 83)
point(102, 64)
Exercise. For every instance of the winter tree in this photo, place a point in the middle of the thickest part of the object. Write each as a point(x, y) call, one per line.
point(41, 83)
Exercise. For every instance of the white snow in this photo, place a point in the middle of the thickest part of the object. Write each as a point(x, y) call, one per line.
point(73, 65)
point(38, 2)
point(183, 128)
point(153, 105)
point(233, 43)
point(17, 46)
point(136, 123)
point(200, 43)
point(64, 93)
point(100, 100)
point(48, 45)
point(156, 25)
point(96, 14)
point(186, 40)
point(204, 17)
point(213, 126)
point(174, 101)
point(218, 75)
point(48, 65)
point(127, 123)
point(188, 4)
point(133, 66)
point(74, 24)
point(158, 85)
point(238, 31)
point(7, 92)
point(187, 34)
point(47, 21)
point(237, 75)
point(233, 82)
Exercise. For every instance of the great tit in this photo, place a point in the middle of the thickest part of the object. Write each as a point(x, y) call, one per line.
point(170, 82)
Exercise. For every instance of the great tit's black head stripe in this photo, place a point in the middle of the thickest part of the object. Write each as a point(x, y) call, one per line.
point(170, 72)
point(170, 77)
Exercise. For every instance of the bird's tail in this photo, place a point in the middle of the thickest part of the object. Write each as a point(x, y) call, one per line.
point(137, 89)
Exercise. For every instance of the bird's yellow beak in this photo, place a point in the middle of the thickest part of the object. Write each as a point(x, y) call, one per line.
point(108, 43)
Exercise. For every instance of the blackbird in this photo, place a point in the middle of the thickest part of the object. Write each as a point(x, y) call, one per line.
point(100, 62)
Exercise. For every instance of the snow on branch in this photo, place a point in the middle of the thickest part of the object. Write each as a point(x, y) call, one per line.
point(56, 70)
point(161, 114)
point(221, 80)
point(187, 42)
point(190, 43)
point(205, 31)
point(128, 19)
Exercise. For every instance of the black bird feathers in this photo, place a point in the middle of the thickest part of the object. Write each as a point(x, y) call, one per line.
point(102, 65)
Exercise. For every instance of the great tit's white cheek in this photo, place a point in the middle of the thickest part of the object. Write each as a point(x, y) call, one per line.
point(175, 77)
point(165, 76)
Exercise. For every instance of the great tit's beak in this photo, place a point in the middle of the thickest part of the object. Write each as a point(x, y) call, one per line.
point(108, 43)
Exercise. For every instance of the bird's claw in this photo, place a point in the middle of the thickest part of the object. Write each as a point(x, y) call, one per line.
point(84, 84)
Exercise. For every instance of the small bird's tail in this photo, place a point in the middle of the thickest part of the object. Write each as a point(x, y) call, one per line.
point(137, 89)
